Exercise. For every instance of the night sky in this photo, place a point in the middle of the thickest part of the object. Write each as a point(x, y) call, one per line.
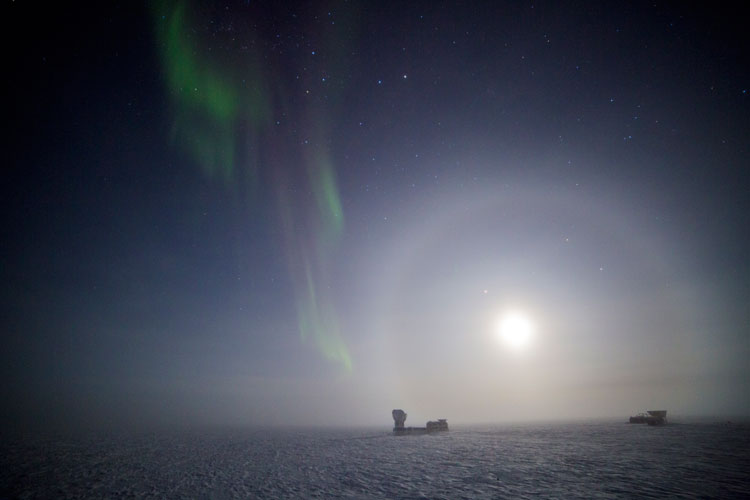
point(256, 213)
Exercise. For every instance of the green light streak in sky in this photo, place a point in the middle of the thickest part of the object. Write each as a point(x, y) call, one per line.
point(211, 99)
point(318, 321)
point(194, 83)
point(208, 101)
point(316, 315)
point(325, 189)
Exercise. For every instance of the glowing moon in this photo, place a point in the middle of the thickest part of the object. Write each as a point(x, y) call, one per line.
point(515, 329)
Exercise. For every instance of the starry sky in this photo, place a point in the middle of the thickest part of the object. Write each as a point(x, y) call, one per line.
point(310, 213)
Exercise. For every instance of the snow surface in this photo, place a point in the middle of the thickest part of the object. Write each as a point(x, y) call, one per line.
point(564, 461)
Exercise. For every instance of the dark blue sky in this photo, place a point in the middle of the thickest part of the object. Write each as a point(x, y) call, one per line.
point(242, 212)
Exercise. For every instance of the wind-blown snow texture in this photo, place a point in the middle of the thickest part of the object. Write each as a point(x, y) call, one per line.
point(601, 460)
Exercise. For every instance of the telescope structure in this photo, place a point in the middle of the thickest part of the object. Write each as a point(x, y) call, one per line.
point(399, 418)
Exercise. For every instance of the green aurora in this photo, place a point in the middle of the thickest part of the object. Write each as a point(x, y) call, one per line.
point(214, 102)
